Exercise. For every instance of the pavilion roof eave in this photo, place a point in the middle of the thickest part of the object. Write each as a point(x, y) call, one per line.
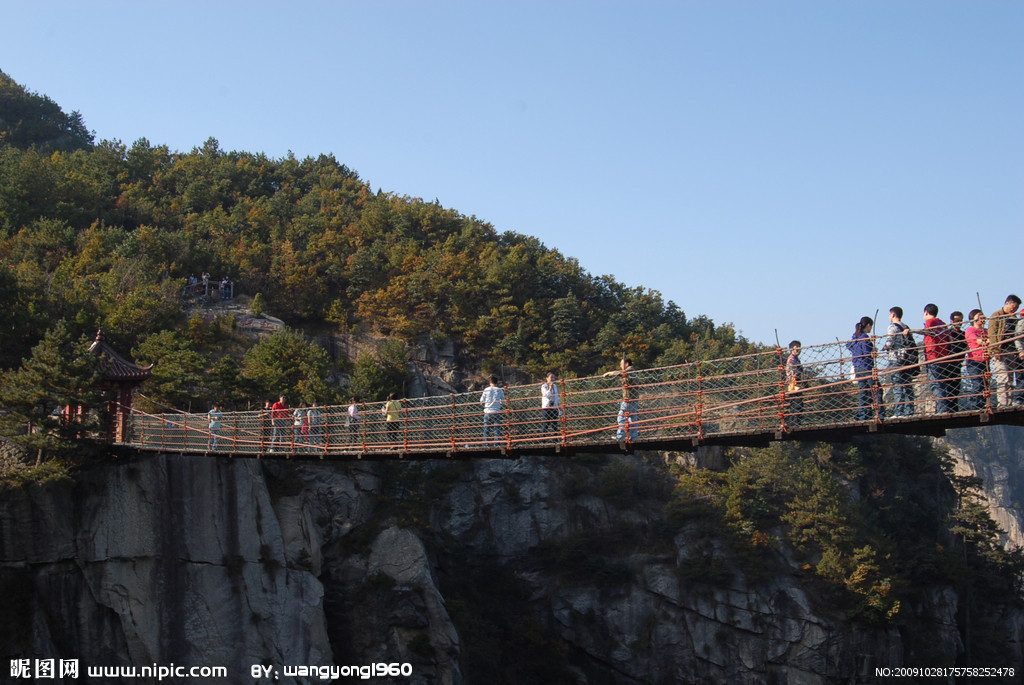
point(115, 367)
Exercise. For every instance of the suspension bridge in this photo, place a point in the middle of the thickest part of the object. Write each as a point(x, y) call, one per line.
point(738, 401)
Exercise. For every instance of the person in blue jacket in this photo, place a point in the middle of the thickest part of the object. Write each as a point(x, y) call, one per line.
point(862, 349)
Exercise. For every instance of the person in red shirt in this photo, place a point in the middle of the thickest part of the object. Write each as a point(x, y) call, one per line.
point(279, 416)
point(976, 363)
point(939, 369)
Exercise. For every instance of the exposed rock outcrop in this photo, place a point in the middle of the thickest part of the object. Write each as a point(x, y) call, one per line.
point(540, 568)
point(154, 561)
point(995, 455)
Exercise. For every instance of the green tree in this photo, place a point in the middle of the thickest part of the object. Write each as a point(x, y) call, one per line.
point(29, 119)
point(177, 378)
point(286, 363)
point(257, 306)
point(378, 373)
point(18, 323)
point(568, 321)
point(61, 372)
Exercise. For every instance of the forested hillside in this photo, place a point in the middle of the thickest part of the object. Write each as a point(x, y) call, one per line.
point(105, 235)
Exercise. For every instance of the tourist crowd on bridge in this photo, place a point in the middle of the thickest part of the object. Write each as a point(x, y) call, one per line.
point(965, 368)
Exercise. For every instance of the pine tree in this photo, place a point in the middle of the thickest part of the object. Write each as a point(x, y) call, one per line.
point(60, 374)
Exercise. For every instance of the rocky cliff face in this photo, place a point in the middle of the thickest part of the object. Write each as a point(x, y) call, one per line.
point(996, 455)
point(153, 561)
point(543, 570)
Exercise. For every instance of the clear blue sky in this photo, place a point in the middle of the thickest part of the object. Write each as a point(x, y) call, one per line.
point(779, 165)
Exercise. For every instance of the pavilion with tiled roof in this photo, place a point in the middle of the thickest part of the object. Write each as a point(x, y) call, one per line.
point(120, 378)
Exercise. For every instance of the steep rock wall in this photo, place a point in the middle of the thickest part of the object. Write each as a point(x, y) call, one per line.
point(157, 560)
point(995, 454)
point(543, 569)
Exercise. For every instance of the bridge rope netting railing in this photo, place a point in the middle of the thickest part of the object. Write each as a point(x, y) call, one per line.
point(752, 394)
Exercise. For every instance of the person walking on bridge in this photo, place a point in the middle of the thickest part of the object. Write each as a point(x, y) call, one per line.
point(629, 407)
point(392, 412)
point(215, 419)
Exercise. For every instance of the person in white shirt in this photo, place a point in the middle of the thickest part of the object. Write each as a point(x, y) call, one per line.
point(492, 399)
point(549, 405)
point(352, 419)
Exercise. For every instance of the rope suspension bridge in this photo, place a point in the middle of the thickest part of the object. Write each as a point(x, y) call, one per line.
point(739, 401)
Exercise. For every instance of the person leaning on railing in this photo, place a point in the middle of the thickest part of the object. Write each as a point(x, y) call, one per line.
point(794, 385)
point(1018, 398)
point(958, 352)
point(1001, 350)
point(976, 363)
point(862, 349)
point(902, 349)
point(629, 407)
point(936, 350)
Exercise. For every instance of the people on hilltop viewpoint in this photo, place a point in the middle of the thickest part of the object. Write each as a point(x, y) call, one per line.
point(629, 408)
point(492, 398)
point(862, 349)
point(1002, 352)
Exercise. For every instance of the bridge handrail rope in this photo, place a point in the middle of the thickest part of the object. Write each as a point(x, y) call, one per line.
point(693, 402)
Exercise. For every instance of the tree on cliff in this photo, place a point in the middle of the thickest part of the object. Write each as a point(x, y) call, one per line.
point(379, 373)
point(60, 373)
point(286, 363)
